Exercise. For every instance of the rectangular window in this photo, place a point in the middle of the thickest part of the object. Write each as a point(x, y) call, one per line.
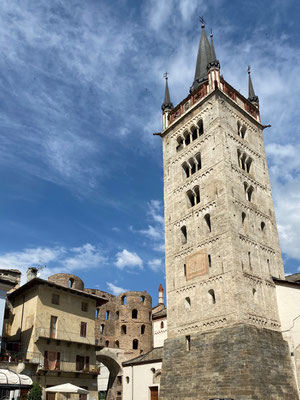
point(79, 363)
point(84, 306)
point(55, 298)
point(83, 329)
point(188, 343)
point(53, 324)
point(51, 360)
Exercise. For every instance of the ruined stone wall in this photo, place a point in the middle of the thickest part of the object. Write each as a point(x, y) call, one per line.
point(124, 319)
point(239, 362)
point(67, 280)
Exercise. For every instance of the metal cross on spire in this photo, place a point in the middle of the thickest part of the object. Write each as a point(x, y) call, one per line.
point(201, 19)
point(249, 69)
point(165, 75)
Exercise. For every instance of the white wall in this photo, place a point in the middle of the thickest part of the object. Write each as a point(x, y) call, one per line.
point(140, 380)
point(159, 334)
point(103, 378)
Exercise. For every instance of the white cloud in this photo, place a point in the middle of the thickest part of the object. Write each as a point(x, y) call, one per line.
point(155, 264)
point(127, 259)
point(116, 290)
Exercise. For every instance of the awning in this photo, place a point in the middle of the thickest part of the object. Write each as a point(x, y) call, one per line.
point(11, 379)
point(67, 388)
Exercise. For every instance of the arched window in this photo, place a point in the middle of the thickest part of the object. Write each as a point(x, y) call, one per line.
point(142, 299)
point(191, 197)
point(134, 314)
point(135, 344)
point(262, 226)
point(243, 161)
point(200, 127)
point(207, 220)
point(243, 132)
point(127, 379)
point(187, 303)
point(239, 128)
point(101, 329)
point(117, 315)
point(107, 315)
point(186, 169)
point(194, 133)
point(123, 300)
point(183, 234)
point(123, 330)
point(254, 292)
point(197, 194)
point(162, 325)
point(143, 329)
point(179, 143)
point(71, 282)
point(243, 218)
point(192, 165)
point(107, 343)
point(239, 157)
point(248, 164)
point(187, 138)
point(117, 344)
point(250, 193)
point(211, 296)
point(198, 160)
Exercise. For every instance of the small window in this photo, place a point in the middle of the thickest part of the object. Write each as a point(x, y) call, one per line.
point(153, 370)
point(243, 132)
point(254, 292)
point(117, 344)
point(107, 315)
point(143, 329)
point(123, 330)
point(200, 127)
point(119, 380)
point(101, 329)
point(84, 306)
point(191, 198)
point(79, 363)
point(249, 193)
point(123, 300)
point(207, 220)
point(198, 159)
point(134, 314)
point(249, 259)
point(83, 329)
point(150, 315)
point(187, 138)
point(184, 269)
point(243, 218)
point(55, 299)
point(262, 226)
point(162, 325)
point(117, 315)
point(71, 282)
point(248, 165)
point(97, 313)
point(212, 297)
point(135, 344)
point(186, 169)
point(142, 299)
point(107, 343)
point(193, 165)
point(209, 260)
point(127, 379)
point(188, 343)
point(194, 133)
point(239, 128)
point(179, 143)
point(183, 235)
point(197, 194)
point(187, 303)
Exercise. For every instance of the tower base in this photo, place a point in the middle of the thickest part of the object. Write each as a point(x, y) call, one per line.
point(241, 362)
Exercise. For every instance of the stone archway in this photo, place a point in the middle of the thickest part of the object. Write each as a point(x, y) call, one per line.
point(112, 359)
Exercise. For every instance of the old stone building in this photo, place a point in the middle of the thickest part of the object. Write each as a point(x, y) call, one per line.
point(222, 246)
point(50, 328)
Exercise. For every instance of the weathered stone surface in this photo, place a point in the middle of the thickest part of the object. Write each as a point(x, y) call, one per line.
point(239, 362)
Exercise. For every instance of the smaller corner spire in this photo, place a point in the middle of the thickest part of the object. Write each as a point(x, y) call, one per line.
point(167, 104)
point(251, 94)
point(213, 62)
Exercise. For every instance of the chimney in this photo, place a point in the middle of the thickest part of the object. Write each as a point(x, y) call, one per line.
point(31, 273)
point(161, 294)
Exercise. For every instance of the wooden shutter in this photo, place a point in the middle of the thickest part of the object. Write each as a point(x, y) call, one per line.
point(87, 362)
point(46, 360)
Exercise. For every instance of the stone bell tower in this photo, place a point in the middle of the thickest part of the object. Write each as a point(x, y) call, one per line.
point(222, 246)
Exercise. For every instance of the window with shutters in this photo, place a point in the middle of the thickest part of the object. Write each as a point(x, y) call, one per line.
point(83, 329)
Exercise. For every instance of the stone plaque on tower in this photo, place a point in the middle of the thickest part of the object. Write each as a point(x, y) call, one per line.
point(196, 264)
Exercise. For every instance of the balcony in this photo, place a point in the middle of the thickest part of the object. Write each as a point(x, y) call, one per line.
point(63, 335)
point(61, 366)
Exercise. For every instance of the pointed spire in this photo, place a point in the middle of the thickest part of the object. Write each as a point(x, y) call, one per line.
point(213, 62)
point(203, 59)
point(167, 104)
point(251, 94)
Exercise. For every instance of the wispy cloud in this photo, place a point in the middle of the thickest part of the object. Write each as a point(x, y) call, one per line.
point(116, 290)
point(127, 259)
point(156, 264)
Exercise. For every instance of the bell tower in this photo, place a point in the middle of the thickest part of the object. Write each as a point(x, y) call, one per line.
point(222, 246)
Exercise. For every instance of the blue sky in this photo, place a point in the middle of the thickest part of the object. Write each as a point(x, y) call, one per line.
point(80, 93)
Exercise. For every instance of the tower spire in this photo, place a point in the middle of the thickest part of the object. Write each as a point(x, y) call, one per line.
point(167, 104)
point(251, 94)
point(203, 59)
point(213, 62)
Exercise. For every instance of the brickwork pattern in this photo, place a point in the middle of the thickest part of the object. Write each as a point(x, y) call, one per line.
point(239, 362)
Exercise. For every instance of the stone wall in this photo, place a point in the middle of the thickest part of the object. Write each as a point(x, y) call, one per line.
point(67, 280)
point(239, 362)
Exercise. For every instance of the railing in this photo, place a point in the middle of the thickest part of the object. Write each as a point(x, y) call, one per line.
point(69, 366)
point(22, 356)
point(64, 335)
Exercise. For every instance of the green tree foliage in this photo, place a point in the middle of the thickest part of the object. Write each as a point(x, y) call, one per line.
point(35, 392)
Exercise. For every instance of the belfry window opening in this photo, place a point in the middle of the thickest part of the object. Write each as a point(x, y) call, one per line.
point(183, 234)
